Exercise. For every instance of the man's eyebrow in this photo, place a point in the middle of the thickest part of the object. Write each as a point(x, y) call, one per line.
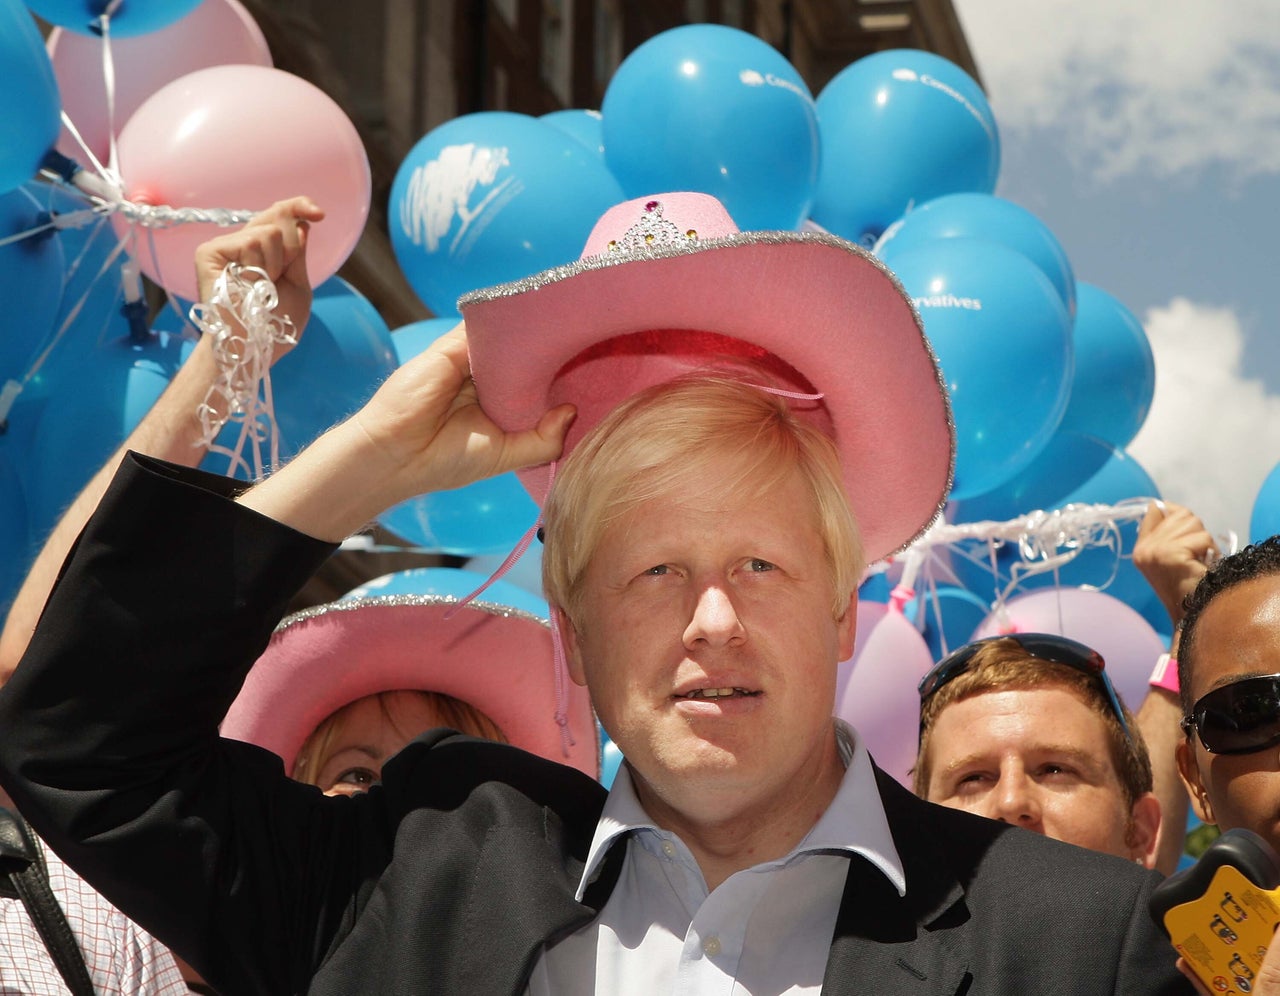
point(1231, 679)
point(1076, 754)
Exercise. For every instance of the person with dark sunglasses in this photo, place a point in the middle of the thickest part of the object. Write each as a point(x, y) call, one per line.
point(1229, 674)
point(1027, 729)
point(1229, 677)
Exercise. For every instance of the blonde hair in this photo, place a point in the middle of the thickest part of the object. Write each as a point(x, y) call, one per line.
point(1004, 665)
point(451, 712)
point(648, 448)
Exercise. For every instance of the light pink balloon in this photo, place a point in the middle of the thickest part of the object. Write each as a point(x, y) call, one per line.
point(876, 687)
point(242, 137)
point(216, 33)
point(1127, 642)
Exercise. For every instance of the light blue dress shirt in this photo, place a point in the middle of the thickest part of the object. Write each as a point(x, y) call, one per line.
point(764, 930)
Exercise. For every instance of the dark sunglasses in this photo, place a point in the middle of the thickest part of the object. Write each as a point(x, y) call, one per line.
point(1238, 718)
point(1042, 646)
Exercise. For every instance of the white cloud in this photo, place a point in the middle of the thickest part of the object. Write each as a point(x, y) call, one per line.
point(1161, 87)
point(1213, 433)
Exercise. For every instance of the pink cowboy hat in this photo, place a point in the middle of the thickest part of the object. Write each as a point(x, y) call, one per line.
point(667, 285)
point(494, 657)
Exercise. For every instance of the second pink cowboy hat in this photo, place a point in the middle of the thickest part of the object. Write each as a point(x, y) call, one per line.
point(668, 285)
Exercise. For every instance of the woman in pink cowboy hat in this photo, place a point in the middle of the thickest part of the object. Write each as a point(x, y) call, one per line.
point(344, 686)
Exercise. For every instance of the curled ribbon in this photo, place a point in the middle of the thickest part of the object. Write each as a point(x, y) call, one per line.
point(240, 317)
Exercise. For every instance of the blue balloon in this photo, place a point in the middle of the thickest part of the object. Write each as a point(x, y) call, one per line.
point(485, 517)
point(99, 394)
point(343, 356)
point(132, 17)
point(1264, 520)
point(714, 109)
point(31, 271)
point(451, 581)
point(491, 197)
point(1115, 374)
point(410, 340)
point(584, 125)
point(900, 127)
point(981, 216)
point(32, 108)
point(87, 316)
point(1072, 469)
point(1003, 338)
point(949, 622)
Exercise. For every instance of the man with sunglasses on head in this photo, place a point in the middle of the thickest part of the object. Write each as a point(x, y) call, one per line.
point(1027, 729)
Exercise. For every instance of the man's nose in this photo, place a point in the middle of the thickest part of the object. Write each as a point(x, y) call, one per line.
point(715, 620)
point(1017, 801)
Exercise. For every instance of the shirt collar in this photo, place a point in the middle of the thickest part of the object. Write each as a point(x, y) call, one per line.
point(854, 822)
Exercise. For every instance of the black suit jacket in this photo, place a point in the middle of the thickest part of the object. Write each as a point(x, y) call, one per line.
point(461, 868)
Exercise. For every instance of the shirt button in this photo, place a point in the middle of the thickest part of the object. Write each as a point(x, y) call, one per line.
point(711, 946)
point(669, 849)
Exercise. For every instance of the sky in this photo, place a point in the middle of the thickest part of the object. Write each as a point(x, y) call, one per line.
point(1146, 135)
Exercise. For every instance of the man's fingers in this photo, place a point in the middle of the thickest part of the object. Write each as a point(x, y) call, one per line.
point(543, 443)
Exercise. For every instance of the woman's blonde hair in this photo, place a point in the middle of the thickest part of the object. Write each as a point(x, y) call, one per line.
point(451, 712)
point(652, 444)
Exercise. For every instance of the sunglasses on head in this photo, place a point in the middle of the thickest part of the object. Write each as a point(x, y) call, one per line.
point(1238, 718)
point(1041, 646)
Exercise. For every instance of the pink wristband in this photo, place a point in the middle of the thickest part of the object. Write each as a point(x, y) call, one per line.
point(1165, 674)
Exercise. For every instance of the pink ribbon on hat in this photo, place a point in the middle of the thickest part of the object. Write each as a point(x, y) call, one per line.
point(561, 670)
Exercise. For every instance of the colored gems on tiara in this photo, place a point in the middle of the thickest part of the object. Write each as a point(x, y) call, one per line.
point(651, 231)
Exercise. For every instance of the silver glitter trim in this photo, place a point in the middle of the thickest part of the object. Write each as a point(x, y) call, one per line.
point(690, 247)
point(428, 601)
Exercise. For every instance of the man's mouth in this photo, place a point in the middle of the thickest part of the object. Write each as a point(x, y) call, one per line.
point(717, 693)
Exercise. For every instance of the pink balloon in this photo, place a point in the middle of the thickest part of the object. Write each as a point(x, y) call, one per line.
point(876, 687)
point(216, 33)
point(242, 137)
point(1127, 642)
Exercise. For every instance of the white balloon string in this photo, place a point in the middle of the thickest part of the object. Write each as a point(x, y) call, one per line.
point(84, 146)
point(109, 86)
point(240, 317)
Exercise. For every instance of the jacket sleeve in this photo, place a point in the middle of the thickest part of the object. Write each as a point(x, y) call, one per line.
point(110, 745)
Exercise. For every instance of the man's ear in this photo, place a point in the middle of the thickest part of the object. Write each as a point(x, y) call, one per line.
point(569, 640)
point(848, 627)
point(1189, 771)
point(1144, 829)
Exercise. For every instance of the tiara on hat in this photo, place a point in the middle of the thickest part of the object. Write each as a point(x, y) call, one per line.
point(651, 231)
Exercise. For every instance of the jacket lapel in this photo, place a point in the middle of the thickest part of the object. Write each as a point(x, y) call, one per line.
point(884, 942)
